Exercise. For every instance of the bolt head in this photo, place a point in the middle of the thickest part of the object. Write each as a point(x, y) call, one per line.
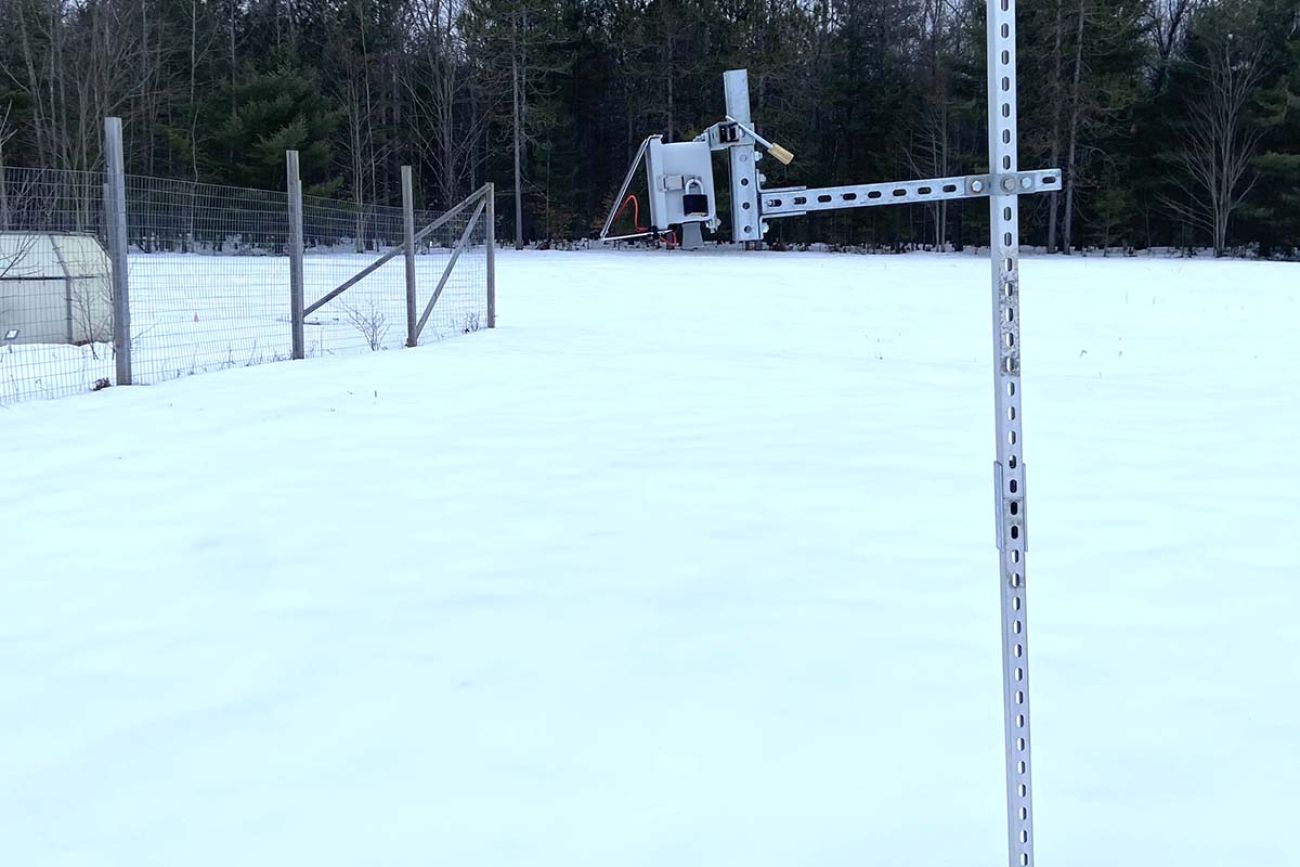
point(1026, 183)
point(977, 186)
point(1008, 184)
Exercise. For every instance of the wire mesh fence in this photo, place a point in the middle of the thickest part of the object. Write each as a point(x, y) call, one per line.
point(339, 240)
point(461, 304)
point(209, 278)
point(209, 272)
point(56, 311)
point(372, 313)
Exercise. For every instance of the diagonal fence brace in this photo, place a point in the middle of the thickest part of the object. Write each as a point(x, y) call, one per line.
point(476, 196)
point(451, 263)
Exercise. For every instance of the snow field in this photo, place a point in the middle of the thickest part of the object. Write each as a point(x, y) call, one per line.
point(691, 561)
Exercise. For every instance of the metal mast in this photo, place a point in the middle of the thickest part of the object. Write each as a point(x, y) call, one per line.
point(1009, 471)
point(753, 206)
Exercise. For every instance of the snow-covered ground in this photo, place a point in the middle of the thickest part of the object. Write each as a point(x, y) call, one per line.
point(690, 562)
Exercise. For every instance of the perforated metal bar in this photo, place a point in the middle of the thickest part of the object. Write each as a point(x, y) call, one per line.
point(1009, 472)
point(797, 201)
point(743, 160)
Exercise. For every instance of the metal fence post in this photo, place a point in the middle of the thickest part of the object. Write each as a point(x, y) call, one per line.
point(491, 217)
point(408, 248)
point(115, 211)
point(294, 187)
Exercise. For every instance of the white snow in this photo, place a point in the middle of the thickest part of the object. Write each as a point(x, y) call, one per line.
point(690, 562)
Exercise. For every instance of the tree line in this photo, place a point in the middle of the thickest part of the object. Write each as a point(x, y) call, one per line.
point(1176, 122)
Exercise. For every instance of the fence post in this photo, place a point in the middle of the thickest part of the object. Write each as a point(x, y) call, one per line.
point(491, 256)
point(408, 248)
point(294, 187)
point(115, 211)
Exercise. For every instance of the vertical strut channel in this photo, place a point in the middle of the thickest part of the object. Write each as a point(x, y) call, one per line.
point(746, 225)
point(1009, 472)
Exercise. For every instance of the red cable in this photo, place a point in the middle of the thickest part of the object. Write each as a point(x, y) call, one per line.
point(636, 219)
point(636, 212)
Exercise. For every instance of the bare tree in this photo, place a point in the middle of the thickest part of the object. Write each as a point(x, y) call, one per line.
point(74, 76)
point(441, 89)
point(1165, 23)
point(1218, 144)
point(1076, 113)
point(5, 135)
point(14, 252)
point(931, 155)
point(370, 322)
point(365, 151)
point(519, 103)
point(1058, 103)
point(1098, 94)
point(355, 94)
point(92, 305)
point(517, 39)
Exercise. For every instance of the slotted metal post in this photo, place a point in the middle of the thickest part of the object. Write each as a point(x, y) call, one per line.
point(1009, 471)
point(296, 317)
point(408, 249)
point(746, 225)
point(491, 216)
point(115, 209)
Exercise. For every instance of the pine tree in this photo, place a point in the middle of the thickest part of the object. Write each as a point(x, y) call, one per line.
point(282, 109)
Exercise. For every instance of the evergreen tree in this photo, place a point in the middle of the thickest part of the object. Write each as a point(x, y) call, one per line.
point(550, 98)
point(274, 111)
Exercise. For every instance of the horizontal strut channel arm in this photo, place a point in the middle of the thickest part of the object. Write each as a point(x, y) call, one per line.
point(793, 202)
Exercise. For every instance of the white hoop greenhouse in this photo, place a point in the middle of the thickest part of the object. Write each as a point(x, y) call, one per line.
point(54, 288)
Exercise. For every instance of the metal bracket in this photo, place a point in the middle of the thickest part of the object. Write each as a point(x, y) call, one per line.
point(1020, 183)
point(1002, 511)
point(723, 135)
point(796, 201)
point(622, 191)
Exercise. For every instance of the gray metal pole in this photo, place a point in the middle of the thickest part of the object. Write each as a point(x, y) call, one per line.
point(408, 248)
point(294, 185)
point(746, 225)
point(1013, 543)
point(115, 209)
point(491, 256)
